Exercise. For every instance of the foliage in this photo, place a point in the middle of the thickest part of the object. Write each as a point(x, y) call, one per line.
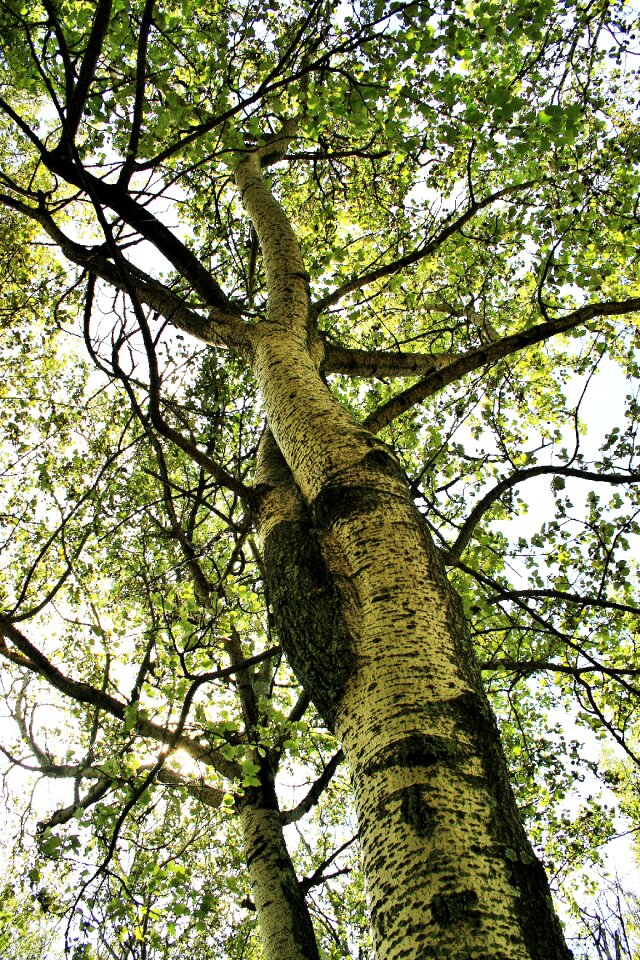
point(463, 183)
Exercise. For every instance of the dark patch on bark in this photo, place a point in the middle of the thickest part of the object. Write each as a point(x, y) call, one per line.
point(417, 813)
point(416, 750)
point(303, 932)
point(307, 611)
point(378, 920)
point(450, 908)
point(337, 502)
point(258, 851)
point(383, 462)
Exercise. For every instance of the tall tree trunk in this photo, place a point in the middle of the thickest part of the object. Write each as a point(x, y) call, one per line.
point(376, 634)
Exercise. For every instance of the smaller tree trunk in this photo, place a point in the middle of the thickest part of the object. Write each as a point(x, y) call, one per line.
point(285, 924)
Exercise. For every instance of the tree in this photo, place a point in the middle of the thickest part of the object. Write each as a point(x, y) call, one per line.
point(264, 220)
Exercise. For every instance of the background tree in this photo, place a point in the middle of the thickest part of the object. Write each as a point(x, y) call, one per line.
point(334, 203)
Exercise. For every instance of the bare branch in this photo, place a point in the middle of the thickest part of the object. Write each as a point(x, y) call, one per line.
point(566, 597)
point(519, 476)
point(315, 792)
point(491, 352)
point(427, 248)
point(527, 667)
point(318, 874)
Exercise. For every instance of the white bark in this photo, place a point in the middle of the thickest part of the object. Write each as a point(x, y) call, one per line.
point(449, 871)
point(285, 926)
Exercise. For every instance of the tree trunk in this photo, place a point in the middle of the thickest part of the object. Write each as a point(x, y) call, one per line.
point(283, 917)
point(376, 634)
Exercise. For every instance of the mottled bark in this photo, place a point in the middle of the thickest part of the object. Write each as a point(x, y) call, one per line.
point(283, 918)
point(375, 632)
point(449, 869)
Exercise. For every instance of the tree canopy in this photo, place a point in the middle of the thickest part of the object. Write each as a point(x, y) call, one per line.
point(453, 187)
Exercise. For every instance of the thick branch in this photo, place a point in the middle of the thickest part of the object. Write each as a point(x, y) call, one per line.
point(216, 329)
point(204, 792)
point(87, 70)
point(490, 353)
point(75, 105)
point(244, 686)
point(140, 219)
point(382, 363)
point(466, 533)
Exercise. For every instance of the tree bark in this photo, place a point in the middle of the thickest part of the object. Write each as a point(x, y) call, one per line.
point(377, 636)
point(283, 917)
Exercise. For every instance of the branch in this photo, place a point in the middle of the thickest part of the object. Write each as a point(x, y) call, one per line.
point(69, 78)
point(547, 627)
point(244, 684)
point(204, 792)
point(214, 330)
point(201, 585)
point(318, 874)
point(155, 413)
point(138, 106)
point(140, 219)
point(618, 736)
point(490, 353)
point(453, 555)
point(526, 667)
point(83, 692)
point(287, 280)
point(314, 794)
point(87, 74)
point(299, 708)
point(568, 597)
point(93, 794)
point(276, 78)
point(274, 148)
point(427, 248)
point(22, 125)
point(382, 363)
